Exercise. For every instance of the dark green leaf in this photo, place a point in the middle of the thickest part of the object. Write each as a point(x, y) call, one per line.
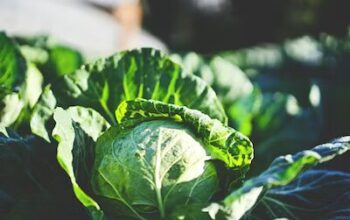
point(281, 172)
point(32, 185)
point(243, 111)
point(315, 194)
point(64, 60)
point(144, 73)
point(12, 66)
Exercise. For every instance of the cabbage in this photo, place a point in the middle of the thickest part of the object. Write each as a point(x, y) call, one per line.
point(152, 168)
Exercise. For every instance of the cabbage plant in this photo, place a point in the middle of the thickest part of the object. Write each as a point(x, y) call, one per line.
point(163, 155)
point(165, 162)
point(137, 137)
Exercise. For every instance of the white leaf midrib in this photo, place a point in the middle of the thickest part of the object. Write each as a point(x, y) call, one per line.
point(157, 176)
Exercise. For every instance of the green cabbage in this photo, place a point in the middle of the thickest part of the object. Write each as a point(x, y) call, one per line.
point(151, 169)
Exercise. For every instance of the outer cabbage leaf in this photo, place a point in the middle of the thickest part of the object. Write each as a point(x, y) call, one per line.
point(281, 172)
point(19, 104)
point(240, 98)
point(315, 194)
point(12, 66)
point(32, 185)
point(53, 59)
point(75, 130)
point(228, 81)
point(222, 142)
point(195, 64)
point(63, 60)
point(12, 75)
point(20, 84)
point(144, 73)
point(20, 74)
point(42, 113)
point(12, 107)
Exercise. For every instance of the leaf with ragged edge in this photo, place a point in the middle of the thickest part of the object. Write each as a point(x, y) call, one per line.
point(144, 73)
point(223, 143)
point(20, 84)
point(18, 105)
point(42, 112)
point(12, 107)
point(240, 98)
point(282, 171)
point(12, 65)
point(32, 87)
point(12, 75)
point(75, 149)
point(90, 121)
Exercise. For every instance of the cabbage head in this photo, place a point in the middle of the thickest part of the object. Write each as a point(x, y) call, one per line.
point(151, 168)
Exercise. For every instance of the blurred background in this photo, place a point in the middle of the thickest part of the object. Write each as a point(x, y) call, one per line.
point(281, 68)
point(205, 26)
point(214, 25)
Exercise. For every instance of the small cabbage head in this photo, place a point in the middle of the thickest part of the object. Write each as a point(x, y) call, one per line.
point(147, 171)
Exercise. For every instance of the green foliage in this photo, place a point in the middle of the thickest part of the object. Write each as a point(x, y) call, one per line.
point(12, 66)
point(222, 142)
point(281, 172)
point(144, 73)
point(42, 112)
point(20, 84)
point(53, 59)
point(32, 185)
point(73, 153)
point(137, 136)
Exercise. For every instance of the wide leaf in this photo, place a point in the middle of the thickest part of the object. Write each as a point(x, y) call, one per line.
point(223, 143)
point(144, 73)
point(281, 172)
point(75, 130)
point(315, 194)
